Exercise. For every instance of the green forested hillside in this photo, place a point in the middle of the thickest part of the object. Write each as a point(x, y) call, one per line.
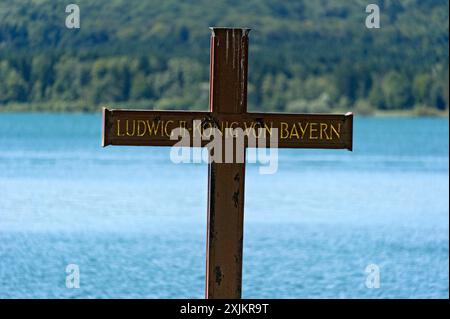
point(304, 55)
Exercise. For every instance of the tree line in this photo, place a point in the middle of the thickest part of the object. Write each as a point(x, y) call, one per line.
point(305, 56)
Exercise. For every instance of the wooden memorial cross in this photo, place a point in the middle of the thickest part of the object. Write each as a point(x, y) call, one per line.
point(228, 108)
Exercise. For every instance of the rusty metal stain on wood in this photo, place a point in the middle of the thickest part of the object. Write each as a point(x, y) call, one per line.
point(218, 273)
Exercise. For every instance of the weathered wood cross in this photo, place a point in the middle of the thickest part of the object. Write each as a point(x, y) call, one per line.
point(228, 108)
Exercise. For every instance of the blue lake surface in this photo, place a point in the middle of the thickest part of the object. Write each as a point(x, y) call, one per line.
point(135, 223)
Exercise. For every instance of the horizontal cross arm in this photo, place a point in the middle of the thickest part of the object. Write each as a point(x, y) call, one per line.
point(154, 128)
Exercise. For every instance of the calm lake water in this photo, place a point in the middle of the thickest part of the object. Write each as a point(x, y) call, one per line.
point(135, 223)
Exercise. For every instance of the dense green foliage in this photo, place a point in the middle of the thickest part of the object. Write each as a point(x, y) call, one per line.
point(304, 55)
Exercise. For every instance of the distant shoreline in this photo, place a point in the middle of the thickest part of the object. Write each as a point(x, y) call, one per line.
point(76, 109)
point(411, 113)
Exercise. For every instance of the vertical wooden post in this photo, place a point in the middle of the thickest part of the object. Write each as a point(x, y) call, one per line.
point(228, 94)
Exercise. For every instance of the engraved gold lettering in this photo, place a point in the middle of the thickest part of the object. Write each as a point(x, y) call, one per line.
point(269, 129)
point(182, 126)
point(337, 132)
point(141, 128)
point(294, 131)
point(118, 129)
point(303, 130)
point(323, 131)
point(284, 130)
point(127, 128)
point(197, 128)
point(311, 130)
point(152, 129)
point(166, 131)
